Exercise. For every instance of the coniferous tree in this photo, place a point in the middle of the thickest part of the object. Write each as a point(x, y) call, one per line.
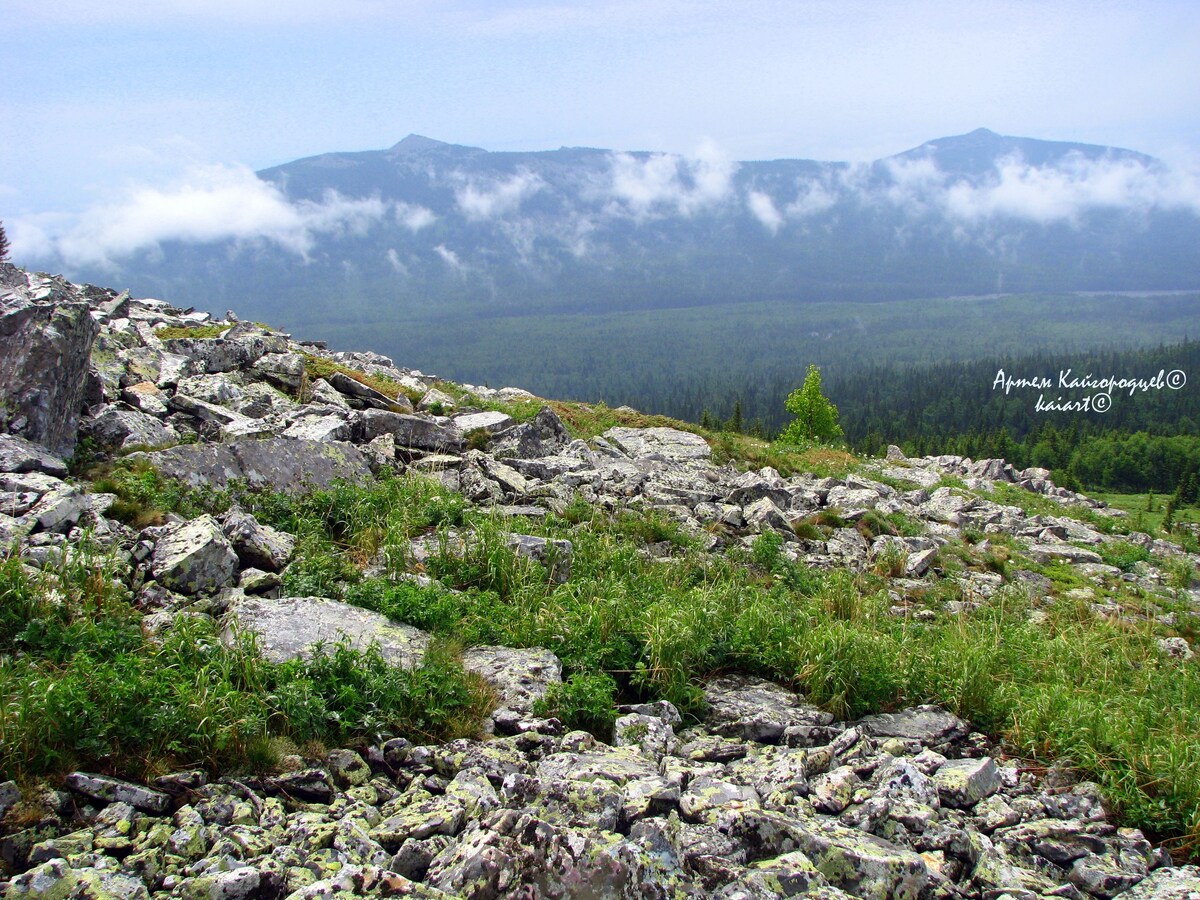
point(3, 244)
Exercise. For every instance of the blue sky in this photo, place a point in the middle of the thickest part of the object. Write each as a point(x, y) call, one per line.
point(101, 100)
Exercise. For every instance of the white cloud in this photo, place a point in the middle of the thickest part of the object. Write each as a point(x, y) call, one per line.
point(813, 198)
point(1062, 193)
point(450, 258)
point(764, 210)
point(395, 262)
point(413, 217)
point(492, 201)
point(664, 182)
point(212, 203)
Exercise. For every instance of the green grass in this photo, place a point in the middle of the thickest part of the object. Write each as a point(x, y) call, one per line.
point(190, 332)
point(319, 367)
point(1146, 511)
point(80, 684)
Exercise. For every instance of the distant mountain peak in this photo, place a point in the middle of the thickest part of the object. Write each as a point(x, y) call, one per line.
point(416, 143)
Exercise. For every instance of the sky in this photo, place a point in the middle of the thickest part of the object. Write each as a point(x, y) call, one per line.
point(104, 101)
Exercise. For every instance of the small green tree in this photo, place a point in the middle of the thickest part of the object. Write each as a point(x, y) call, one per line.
point(3, 244)
point(816, 418)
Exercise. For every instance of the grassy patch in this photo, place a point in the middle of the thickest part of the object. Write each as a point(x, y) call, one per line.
point(190, 332)
point(81, 685)
point(319, 367)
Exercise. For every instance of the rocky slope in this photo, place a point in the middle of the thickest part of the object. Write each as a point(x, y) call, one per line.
point(767, 796)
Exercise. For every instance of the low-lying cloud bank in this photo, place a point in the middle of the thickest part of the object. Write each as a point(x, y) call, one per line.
point(230, 203)
point(1013, 189)
point(211, 203)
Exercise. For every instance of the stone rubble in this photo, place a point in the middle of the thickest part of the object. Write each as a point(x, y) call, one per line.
point(768, 797)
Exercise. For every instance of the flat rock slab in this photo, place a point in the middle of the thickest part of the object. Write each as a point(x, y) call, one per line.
point(756, 710)
point(113, 790)
point(1045, 553)
point(927, 724)
point(520, 677)
point(489, 421)
point(280, 463)
point(20, 455)
point(286, 629)
point(670, 443)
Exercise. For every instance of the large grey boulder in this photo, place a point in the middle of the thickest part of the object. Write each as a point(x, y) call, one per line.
point(409, 431)
point(20, 455)
point(280, 463)
point(288, 628)
point(113, 790)
point(119, 426)
point(194, 558)
point(862, 864)
point(757, 710)
point(555, 555)
point(257, 545)
point(46, 337)
point(544, 435)
point(930, 725)
point(519, 677)
point(669, 443)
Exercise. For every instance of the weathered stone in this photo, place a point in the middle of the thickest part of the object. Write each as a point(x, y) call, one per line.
point(863, 865)
point(20, 455)
point(519, 677)
point(756, 710)
point(255, 544)
point(928, 724)
point(1182, 883)
point(649, 734)
point(367, 397)
point(283, 464)
point(45, 344)
point(555, 555)
point(288, 628)
point(964, 782)
point(409, 431)
point(283, 369)
point(58, 509)
point(118, 428)
point(764, 516)
point(544, 435)
point(489, 421)
point(669, 443)
point(1044, 553)
point(194, 558)
point(113, 790)
point(320, 428)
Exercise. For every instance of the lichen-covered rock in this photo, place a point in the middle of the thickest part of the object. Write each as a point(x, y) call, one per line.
point(862, 864)
point(519, 677)
point(669, 443)
point(194, 558)
point(964, 782)
point(416, 432)
point(283, 464)
point(19, 455)
point(930, 725)
point(114, 790)
point(289, 627)
point(118, 427)
point(46, 337)
point(255, 544)
point(756, 710)
point(555, 555)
